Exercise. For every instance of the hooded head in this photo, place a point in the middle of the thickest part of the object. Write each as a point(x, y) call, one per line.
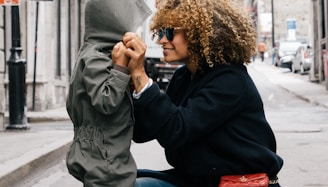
point(107, 20)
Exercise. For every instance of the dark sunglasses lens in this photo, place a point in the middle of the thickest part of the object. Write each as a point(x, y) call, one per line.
point(169, 33)
point(160, 34)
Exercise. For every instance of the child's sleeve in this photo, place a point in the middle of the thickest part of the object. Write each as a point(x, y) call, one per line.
point(105, 85)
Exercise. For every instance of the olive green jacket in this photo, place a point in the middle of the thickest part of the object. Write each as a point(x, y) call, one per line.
point(99, 102)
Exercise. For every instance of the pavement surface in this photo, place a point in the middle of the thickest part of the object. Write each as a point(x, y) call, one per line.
point(51, 132)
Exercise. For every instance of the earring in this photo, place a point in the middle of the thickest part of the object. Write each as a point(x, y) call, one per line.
point(210, 63)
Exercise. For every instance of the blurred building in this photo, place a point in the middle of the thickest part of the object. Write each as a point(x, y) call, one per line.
point(51, 34)
point(282, 20)
point(319, 69)
point(277, 20)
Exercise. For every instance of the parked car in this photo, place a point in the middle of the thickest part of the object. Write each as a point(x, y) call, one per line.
point(303, 59)
point(285, 53)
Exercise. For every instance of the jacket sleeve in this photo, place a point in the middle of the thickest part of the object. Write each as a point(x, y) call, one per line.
point(217, 101)
point(105, 85)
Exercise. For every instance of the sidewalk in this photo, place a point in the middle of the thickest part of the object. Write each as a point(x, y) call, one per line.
point(300, 86)
point(51, 131)
point(24, 151)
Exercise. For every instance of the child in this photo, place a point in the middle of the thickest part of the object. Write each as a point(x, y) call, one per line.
point(99, 101)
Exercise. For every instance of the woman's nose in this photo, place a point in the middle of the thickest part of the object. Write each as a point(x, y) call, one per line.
point(163, 40)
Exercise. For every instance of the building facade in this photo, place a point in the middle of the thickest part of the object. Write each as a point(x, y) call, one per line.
point(319, 69)
point(307, 23)
point(280, 20)
point(50, 34)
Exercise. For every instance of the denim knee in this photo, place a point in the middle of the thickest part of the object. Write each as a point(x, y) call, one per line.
point(152, 182)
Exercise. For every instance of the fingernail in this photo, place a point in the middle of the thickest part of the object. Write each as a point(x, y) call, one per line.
point(117, 45)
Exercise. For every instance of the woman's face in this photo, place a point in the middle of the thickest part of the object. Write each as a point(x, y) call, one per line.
point(175, 49)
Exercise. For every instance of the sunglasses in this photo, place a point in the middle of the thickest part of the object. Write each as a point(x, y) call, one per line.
point(168, 32)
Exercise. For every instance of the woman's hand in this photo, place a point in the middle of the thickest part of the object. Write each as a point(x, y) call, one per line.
point(118, 55)
point(136, 50)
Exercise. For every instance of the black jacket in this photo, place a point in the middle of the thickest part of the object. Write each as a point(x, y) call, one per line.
point(210, 125)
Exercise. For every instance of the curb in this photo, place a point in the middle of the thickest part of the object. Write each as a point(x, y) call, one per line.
point(42, 116)
point(33, 119)
point(33, 166)
point(307, 99)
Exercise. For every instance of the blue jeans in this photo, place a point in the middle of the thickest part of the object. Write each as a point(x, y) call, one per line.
point(151, 178)
point(152, 182)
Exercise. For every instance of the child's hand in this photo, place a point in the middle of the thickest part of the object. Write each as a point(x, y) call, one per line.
point(136, 50)
point(118, 55)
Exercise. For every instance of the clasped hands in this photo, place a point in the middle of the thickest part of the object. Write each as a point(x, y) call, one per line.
point(130, 53)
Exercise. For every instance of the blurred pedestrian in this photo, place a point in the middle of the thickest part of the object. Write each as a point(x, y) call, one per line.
point(99, 101)
point(261, 48)
point(211, 120)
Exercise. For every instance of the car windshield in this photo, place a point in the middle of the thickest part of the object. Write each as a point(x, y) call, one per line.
point(289, 46)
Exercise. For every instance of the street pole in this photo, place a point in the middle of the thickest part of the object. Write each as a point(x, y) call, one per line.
point(16, 73)
point(272, 34)
point(35, 53)
point(272, 14)
point(313, 73)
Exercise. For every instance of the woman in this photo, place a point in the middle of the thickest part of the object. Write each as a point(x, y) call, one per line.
point(211, 120)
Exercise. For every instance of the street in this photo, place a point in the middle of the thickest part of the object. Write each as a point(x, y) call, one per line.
point(301, 130)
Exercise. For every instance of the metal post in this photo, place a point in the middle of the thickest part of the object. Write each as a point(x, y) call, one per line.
point(58, 69)
point(272, 14)
point(69, 40)
point(16, 66)
point(313, 74)
point(35, 53)
point(325, 41)
point(272, 33)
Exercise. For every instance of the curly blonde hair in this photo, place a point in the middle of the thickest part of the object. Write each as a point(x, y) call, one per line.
point(217, 31)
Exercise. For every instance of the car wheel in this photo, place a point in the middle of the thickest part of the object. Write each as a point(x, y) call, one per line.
point(290, 67)
point(302, 71)
point(293, 68)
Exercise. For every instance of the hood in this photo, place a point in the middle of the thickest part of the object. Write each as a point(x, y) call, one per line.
point(107, 20)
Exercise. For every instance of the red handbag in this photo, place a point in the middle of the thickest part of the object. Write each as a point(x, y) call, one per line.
point(247, 180)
